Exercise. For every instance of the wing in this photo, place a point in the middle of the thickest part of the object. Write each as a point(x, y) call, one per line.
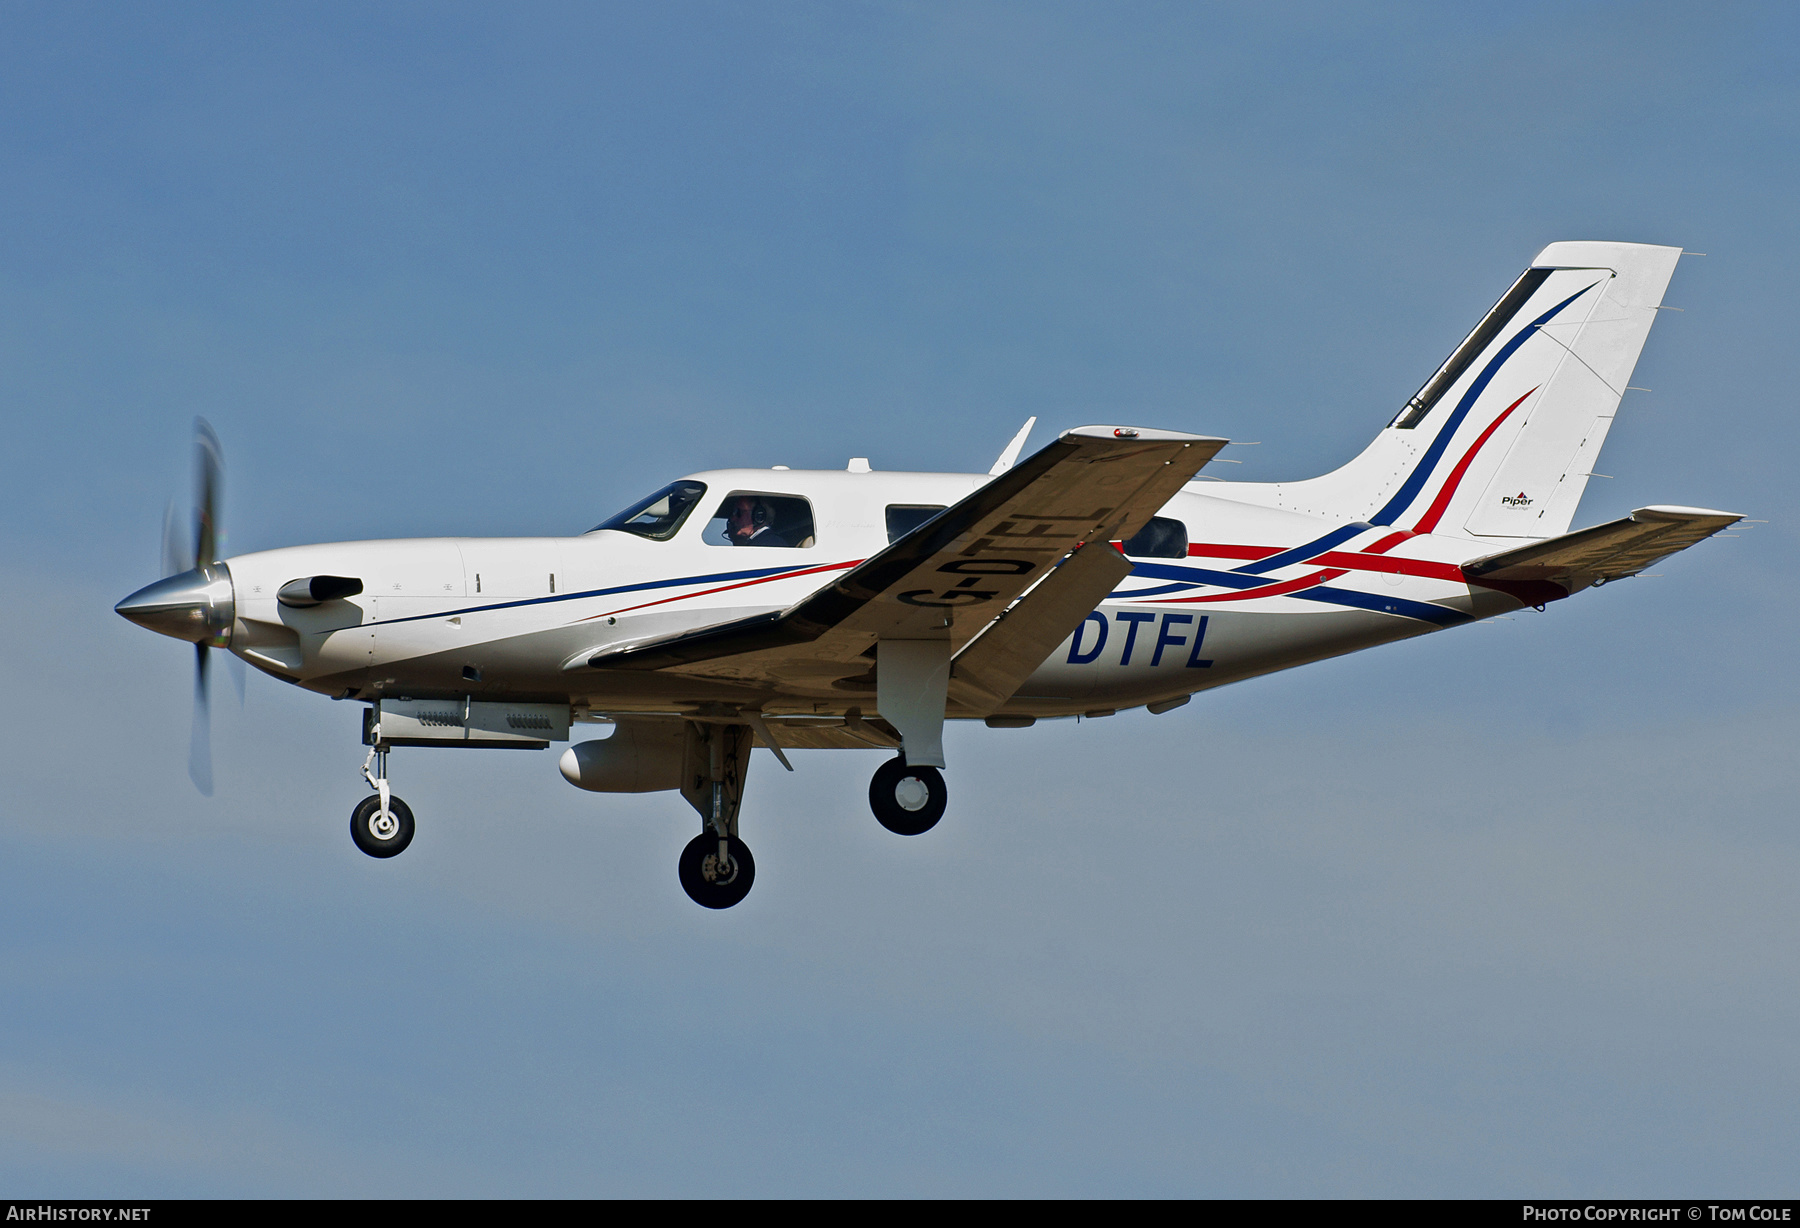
point(952, 576)
point(1605, 552)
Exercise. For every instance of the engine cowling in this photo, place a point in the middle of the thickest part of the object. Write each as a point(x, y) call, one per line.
point(640, 757)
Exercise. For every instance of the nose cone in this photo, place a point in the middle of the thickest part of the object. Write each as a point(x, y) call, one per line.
point(197, 606)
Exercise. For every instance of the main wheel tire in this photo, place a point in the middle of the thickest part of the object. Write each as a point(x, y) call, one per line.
point(700, 872)
point(368, 831)
point(908, 801)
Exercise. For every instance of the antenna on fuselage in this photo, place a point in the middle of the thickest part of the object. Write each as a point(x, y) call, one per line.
point(1013, 449)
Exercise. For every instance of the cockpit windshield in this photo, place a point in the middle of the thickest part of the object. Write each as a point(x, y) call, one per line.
point(661, 515)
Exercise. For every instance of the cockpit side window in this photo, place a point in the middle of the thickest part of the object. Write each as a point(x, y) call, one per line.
point(903, 518)
point(752, 518)
point(660, 516)
point(1162, 538)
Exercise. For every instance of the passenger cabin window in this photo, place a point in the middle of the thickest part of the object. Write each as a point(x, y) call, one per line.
point(660, 516)
point(1162, 538)
point(903, 518)
point(750, 518)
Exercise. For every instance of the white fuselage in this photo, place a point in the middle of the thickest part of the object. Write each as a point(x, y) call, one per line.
point(515, 618)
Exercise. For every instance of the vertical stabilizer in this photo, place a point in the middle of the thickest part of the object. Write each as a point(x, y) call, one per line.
point(1537, 482)
point(1500, 441)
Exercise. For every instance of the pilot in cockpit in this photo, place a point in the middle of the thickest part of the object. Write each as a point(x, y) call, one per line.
point(751, 523)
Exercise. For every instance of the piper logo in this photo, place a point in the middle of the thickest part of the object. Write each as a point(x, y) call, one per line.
point(1518, 500)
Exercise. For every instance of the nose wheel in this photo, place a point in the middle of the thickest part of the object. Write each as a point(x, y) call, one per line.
point(908, 801)
point(381, 824)
point(716, 873)
point(378, 833)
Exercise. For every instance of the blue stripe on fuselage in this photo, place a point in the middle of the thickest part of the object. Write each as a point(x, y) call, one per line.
point(1160, 590)
point(1198, 575)
point(1299, 554)
point(595, 592)
point(1379, 603)
point(1382, 604)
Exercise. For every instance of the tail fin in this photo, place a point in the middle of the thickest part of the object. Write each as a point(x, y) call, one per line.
point(1500, 442)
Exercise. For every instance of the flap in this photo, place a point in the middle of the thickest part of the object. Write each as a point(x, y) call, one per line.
point(988, 671)
point(838, 734)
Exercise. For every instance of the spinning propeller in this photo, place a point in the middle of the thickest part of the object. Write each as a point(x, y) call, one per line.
point(194, 600)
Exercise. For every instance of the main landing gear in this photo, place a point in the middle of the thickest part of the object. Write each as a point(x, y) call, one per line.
point(908, 801)
point(716, 868)
point(716, 873)
point(381, 824)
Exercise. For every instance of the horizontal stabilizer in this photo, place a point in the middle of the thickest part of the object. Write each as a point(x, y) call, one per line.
point(1547, 570)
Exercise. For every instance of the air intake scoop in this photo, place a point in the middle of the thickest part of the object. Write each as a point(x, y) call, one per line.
point(315, 590)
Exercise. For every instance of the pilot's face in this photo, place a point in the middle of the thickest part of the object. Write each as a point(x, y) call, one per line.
point(741, 524)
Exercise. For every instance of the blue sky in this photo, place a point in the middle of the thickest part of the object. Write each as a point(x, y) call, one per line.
point(1506, 911)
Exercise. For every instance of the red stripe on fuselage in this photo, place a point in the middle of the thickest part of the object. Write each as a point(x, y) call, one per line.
point(1392, 566)
point(1218, 550)
point(1250, 594)
point(1389, 542)
point(1429, 520)
point(1373, 557)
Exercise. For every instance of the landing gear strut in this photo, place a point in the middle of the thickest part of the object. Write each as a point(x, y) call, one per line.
point(716, 869)
point(908, 801)
point(381, 824)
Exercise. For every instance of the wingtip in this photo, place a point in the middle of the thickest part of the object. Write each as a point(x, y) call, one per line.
point(1140, 434)
point(1673, 511)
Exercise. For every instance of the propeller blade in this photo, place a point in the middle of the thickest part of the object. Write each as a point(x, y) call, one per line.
point(200, 742)
point(209, 482)
point(176, 557)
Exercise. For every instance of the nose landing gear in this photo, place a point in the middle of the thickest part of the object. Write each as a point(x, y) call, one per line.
point(908, 801)
point(378, 834)
point(382, 824)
